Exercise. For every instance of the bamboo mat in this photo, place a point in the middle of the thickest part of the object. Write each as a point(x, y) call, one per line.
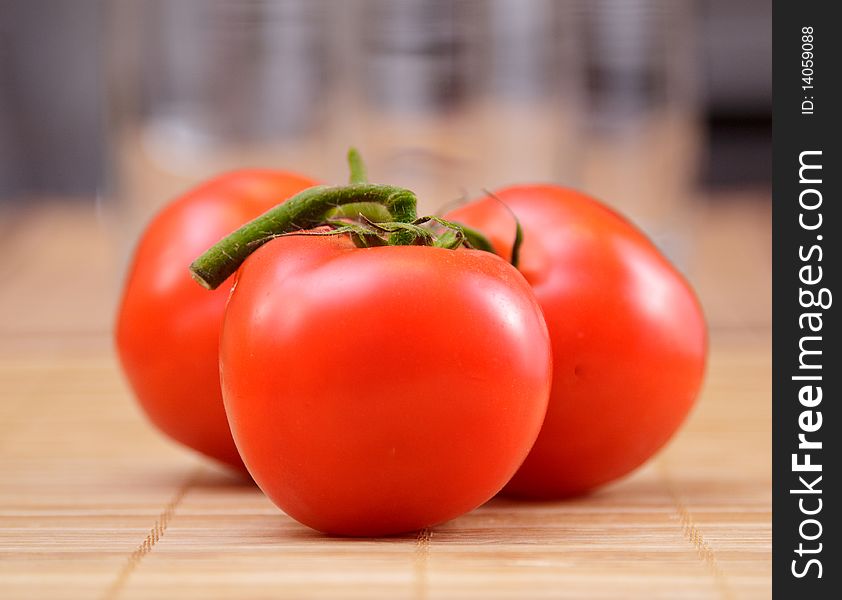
point(95, 504)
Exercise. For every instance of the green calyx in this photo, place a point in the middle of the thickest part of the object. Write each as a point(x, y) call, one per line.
point(371, 214)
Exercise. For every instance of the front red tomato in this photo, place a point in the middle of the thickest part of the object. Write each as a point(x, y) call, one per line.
point(628, 336)
point(168, 327)
point(381, 390)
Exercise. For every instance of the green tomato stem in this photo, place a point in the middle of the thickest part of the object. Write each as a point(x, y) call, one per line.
point(372, 211)
point(515, 259)
point(475, 238)
point(307, 209)
point(357, 167)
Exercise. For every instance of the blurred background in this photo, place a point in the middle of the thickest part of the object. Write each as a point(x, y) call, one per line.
point(662, 108)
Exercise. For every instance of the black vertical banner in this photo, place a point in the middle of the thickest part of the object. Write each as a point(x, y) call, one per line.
point(807, 192)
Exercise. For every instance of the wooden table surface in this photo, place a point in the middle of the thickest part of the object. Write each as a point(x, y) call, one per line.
point(95, 504)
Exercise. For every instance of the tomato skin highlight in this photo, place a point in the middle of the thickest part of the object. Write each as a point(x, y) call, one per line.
point(381, 390)
point(167, 330)
point(628, 336)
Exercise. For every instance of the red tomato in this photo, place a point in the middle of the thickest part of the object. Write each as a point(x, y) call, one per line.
point(628, 336)
point(168, 326)
point(381, 390)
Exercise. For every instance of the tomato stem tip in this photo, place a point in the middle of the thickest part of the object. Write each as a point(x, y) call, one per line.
point(357, 167)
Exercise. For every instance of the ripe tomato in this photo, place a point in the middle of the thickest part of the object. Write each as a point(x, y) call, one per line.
point(168, 327)
point(381, 390)
point(628, 336)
